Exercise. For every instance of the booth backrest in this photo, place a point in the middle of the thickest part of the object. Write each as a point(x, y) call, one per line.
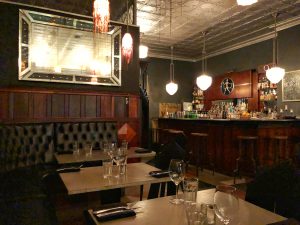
point(31, 144)
point(93, 132)
point(26, 145)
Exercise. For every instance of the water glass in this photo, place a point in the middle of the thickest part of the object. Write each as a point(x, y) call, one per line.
point(208, 210)
point(195, 213)
point(124, 145)
point(107, 168)
point(75, 148)
point(190, 188)
point(88, 148)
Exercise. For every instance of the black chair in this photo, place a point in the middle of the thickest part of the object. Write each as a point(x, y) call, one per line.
point(276, 189)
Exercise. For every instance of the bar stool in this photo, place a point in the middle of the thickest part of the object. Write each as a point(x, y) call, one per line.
point(280, 150)
point(199, 151)
point(247, 156)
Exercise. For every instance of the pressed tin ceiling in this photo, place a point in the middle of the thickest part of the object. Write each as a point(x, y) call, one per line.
point(229, 26)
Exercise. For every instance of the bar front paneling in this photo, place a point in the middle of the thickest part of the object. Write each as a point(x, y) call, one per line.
point(223, 142)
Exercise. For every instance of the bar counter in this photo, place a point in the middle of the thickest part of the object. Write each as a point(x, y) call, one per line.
point(223, 133)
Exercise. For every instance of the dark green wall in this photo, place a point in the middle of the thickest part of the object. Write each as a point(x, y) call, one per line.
point(9, 59)
point(159, 76)
point(259, 54)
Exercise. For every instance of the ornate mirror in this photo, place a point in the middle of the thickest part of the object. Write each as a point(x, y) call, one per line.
point(53, 48)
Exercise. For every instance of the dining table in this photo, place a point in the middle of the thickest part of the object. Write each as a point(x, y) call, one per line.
point(160, 211)
point(91, 179)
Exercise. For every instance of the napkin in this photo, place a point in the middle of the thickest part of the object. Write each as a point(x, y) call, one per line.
point(159, 173)
point(142, 150)
point(290, 221)
point(111, 215)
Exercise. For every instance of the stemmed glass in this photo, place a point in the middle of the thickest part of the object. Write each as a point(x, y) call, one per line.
point(176, 173)
point(119, 157)
point(226, 203)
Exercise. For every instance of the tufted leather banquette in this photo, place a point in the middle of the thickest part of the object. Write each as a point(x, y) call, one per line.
point(31, 144)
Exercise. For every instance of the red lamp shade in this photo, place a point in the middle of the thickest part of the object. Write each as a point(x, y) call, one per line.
point(101, 15)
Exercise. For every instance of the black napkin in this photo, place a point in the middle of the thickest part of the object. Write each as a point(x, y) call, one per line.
point(111, 215)
point(290, 221)
point(160, 173)
point(142, 150)
point(68, 170)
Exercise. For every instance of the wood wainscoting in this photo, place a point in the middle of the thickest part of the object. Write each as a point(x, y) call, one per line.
point(32, 105)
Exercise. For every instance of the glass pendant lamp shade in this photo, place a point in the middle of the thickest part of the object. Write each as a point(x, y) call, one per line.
point(246, 2)
point(101, 15)
point(143, 51)
point(275, 74)
point(171, 88)
point(127, 47)
point(204, 82)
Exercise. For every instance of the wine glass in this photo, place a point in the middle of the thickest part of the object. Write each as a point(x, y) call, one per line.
point(226, 203)
point(119, 157)
point(176, 173)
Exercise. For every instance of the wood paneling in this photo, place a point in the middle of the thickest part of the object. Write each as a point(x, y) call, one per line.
point(4, 98)
point(245, 86)
point(74, 103)
point(39, 106)
point(44, 105)
point(20, 107)
point(222, 137)
point(133, 107)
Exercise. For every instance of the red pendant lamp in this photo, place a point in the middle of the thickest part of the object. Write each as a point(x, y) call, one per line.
point(101, 16)
point(127, 43)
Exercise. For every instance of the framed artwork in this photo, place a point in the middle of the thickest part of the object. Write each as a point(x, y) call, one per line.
point(291, 86)
point(55, 48)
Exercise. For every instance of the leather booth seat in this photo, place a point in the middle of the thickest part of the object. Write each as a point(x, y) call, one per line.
point(32, 144)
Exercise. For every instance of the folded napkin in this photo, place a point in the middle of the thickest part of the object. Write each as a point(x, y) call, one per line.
point(290, 221)
point(115, 214)
point(159, 173)
point(142, 150)
point(68, 170)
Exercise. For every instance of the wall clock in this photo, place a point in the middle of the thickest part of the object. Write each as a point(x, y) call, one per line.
point(227, 86)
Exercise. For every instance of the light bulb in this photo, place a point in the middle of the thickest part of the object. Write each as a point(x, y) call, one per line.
point(204, 82)
point(275, 74)
point(171, 88)
point(246, 2)
point(143, 51)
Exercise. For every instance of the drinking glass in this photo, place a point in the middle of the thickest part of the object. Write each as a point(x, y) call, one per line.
point(88, 148)
point(176, 173)
point(226, 203)
point(119, 157)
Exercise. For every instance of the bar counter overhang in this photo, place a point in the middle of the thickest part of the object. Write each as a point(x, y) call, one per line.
point(222, 141)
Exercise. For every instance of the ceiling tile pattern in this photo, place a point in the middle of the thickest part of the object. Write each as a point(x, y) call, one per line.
point(229, 26)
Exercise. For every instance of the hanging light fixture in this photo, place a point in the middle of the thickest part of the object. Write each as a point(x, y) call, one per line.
point(204, 81)
point(246, 2)
point(171, 87)
point(143, 51)
point(101, 16)
point(275, 74)
point(127, 43)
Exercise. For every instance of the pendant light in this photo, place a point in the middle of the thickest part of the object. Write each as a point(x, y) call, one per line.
point(171, 87)
point(204, 81)
point(101, 15)
point(246, 2)
point(275, 74)
point(127, 43)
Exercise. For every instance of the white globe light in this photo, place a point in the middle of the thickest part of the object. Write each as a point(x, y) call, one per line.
point(204, 82)
point(275, 74)
point(246, 2)
point(143, 51)
point(171, 88)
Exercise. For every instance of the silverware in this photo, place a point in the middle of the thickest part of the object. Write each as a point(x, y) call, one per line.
point(115, 209)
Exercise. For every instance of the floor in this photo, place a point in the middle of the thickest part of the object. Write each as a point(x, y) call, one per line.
point(70, 210)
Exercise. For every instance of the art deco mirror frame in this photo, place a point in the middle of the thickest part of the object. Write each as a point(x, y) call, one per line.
point(53, 48)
